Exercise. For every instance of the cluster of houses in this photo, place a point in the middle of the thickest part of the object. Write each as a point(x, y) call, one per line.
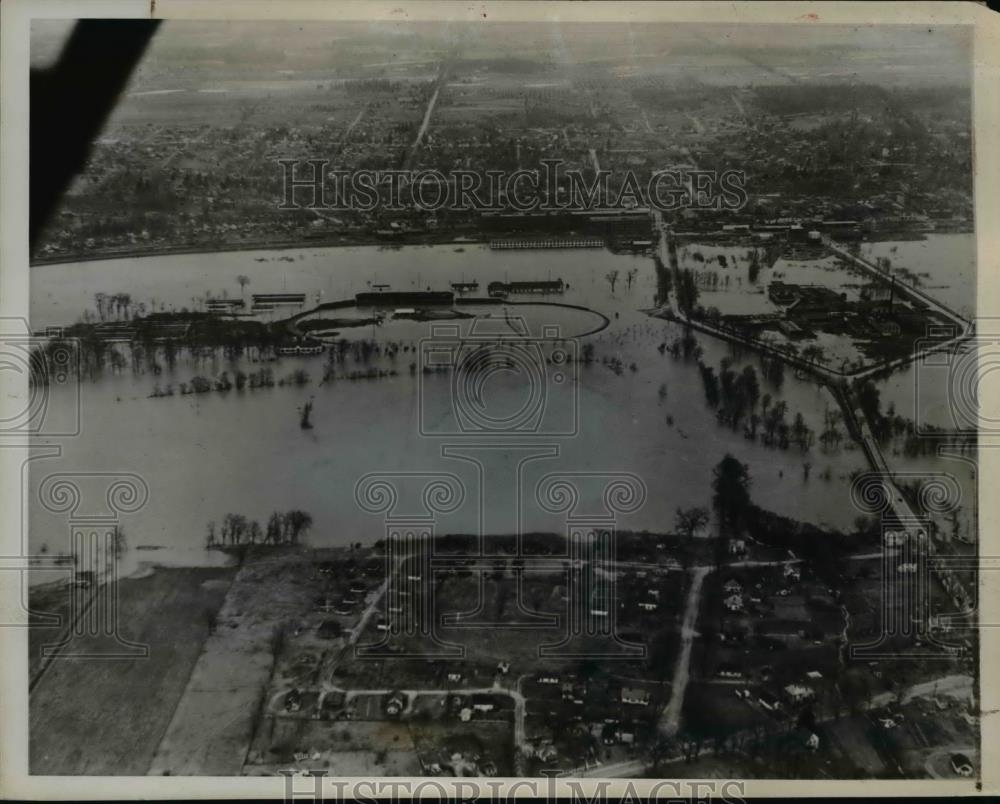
point(346, 603)
point(733, 591)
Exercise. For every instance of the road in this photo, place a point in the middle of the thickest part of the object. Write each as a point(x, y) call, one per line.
point(425, 123)
point(636, 767)
point(671, 717)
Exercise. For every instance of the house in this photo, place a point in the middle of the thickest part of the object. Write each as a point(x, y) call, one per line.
point(483, 703)
point(961, 764)
point(734, 603)
point(737, 547)
point(729, 670)
point(381, 625)
point(546, 752)
point(503, 668)
point(635, 696)
point(455, 677)
point(465, 715)
point(548, 678)
point(815, 675)
point(732, 633)
point(732, 586)
point(395, 703)
point(293, 701)
point(785, 630)
point(792, 573)
point(797, 693)
point(333, 703)
point(769, 702)
point(813, 742)
point(648, 605)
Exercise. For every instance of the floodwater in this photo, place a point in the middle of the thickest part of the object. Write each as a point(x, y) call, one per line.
point(945, 264)
point(244, 452)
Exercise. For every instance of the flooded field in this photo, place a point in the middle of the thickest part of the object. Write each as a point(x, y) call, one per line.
point(632, 408)
point(945, 266)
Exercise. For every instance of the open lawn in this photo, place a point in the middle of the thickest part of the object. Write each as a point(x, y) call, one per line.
point(71, 731)
point(214, 723)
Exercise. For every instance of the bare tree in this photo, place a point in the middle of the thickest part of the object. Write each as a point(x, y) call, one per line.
point(612, 277)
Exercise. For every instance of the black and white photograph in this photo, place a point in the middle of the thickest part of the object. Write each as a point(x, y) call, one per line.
point(499, 395)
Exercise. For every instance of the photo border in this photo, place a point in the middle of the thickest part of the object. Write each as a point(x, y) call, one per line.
point(15, 20)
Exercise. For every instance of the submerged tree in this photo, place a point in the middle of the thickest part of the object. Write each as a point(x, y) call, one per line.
point(612, 277)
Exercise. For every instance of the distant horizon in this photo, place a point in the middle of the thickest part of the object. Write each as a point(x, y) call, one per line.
point(566, 44)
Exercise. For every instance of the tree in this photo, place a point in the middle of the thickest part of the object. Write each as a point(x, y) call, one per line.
point(690, 520)
point(234, 526)
point(275, 527)
point(612, 277)
point(630, 277)
point(711, 383)
point(244, 280)
point(687, 291)
point(119, 542)
point(754, 267)
point(297, 523)
point(731, 487)
point(801, 434)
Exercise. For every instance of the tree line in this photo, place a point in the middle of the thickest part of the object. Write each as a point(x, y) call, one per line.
point(283, 527)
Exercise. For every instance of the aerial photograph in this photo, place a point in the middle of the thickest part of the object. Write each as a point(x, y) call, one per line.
point(507, 399)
